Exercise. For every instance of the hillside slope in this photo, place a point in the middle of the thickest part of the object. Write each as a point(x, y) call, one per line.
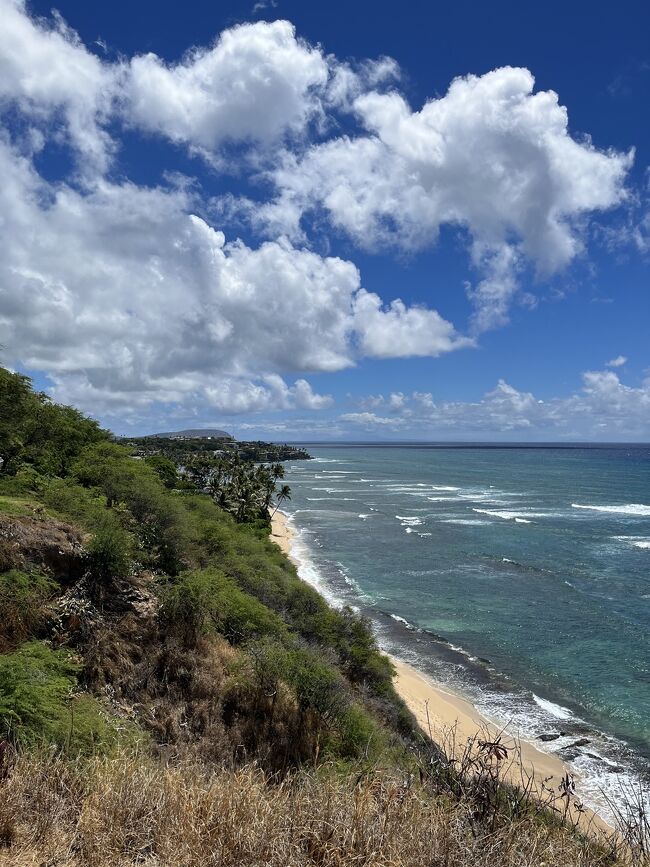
point(172, 693)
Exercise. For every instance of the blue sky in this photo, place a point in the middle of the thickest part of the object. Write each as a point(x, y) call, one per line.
point(330, 221)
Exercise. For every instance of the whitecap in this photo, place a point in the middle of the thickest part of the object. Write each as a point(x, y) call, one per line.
point(337, 490)
point(555, 710)
point(333, 499)
point(506, 515)
point(413, 521)
point(635, 509)
point(402, 620)
point(638, 541)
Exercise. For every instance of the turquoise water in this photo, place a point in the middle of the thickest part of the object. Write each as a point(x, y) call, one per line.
point(518, 576)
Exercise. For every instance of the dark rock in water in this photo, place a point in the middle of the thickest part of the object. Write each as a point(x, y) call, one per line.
point(548, 736)
point(484, 660)
point(568, 755)
point(572, 751)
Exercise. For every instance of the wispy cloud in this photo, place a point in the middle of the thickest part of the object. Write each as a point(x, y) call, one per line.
point(261, 5)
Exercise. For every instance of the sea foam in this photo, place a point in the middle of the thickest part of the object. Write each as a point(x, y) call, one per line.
point(412, 521)
point(635, 509)
point(506, 515)
point(637, 541)
point(555, 710)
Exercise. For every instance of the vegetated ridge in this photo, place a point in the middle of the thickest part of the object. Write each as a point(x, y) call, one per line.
point(192, 433)
point(172, 693)
point(181, 449)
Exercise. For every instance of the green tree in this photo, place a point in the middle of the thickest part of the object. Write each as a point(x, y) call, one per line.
point(38, 433)
point(15, 400)
point(283, 494)
point(164, 468)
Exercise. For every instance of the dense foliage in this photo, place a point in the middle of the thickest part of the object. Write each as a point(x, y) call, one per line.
point(38, 433)
point(176, 570)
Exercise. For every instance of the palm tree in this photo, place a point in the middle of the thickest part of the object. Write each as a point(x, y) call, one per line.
point(283, 494)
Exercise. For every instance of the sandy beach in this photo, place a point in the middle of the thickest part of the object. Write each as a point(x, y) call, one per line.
point(281, 532)
point(452, 720)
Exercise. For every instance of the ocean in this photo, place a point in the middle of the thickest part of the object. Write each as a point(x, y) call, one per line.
point(518, 577)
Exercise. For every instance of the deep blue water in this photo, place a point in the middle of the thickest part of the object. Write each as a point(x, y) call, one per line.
point(519, 576)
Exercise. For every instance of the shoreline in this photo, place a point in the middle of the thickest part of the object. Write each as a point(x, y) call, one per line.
point(451, 720)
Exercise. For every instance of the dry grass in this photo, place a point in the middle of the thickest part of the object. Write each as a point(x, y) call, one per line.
point(131, 810)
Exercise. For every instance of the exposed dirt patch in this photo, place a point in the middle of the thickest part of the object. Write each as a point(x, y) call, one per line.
point(51, 546)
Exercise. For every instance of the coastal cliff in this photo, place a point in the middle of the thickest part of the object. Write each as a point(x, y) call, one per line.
point(171, 692)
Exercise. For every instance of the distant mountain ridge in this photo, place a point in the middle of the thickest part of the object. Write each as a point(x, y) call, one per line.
point(194, 433)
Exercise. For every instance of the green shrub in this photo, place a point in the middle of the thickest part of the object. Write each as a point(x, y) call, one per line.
point(156, 518)
point(39, 704)
point(203, 601)
point(23, 597)
point(72, 502)
point(364, 663)
point(318, 685)
point(108, 555)
point(360, 736)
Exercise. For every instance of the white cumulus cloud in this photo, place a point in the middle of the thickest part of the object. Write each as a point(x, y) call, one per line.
point(124, 296)
point(398, 331)
point(128, 296)
point(604, 408)
point(491, 157)
point(257, 82)
point(50, 76)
